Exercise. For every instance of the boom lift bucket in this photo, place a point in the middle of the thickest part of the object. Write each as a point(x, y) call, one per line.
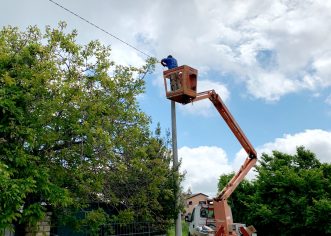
point(181, 84)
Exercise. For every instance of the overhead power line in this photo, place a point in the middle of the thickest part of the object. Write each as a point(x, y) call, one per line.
point(98, 27)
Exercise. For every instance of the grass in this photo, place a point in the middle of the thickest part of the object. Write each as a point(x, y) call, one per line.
point(171, 231)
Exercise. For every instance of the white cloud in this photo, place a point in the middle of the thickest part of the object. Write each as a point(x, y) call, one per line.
point(224, 36)
point(204, 165)
point(298, 32)
point(127, 57)
point(316, 140)
point(323, 69)
point(270, 86)
point(297, 35)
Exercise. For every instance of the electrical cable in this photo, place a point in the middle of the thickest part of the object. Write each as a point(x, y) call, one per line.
point(103, 30)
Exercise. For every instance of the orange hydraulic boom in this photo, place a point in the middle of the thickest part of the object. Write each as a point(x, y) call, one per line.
point(223, 215)
point(181, 85)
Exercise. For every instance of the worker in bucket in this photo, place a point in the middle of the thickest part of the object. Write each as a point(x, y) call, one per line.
point(175, 78)
point(169, 62)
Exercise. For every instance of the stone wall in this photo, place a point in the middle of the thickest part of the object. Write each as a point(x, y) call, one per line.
point(43, 227)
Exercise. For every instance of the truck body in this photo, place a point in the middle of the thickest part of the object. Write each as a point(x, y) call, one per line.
point(202, 215)
point(202, 222)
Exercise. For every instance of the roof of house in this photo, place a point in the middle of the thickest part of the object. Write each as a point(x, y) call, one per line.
point(196, 194)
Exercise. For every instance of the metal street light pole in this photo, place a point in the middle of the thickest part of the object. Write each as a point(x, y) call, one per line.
point(178, 231)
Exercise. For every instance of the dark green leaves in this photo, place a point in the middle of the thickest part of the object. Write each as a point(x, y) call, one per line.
point(72, 136)
point(291, 196)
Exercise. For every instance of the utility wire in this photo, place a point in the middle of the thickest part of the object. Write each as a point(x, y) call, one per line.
point(103, 30)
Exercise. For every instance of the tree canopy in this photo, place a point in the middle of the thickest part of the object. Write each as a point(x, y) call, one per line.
point(72, 132)
point(290, 196)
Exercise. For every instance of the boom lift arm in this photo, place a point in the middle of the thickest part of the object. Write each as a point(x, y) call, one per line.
point(181, 85)
point(222, 211)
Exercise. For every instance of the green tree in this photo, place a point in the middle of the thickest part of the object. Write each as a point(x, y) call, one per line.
point(72, 133)
point(292, 195)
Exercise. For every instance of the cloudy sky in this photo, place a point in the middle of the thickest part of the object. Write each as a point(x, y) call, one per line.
point(270, 61)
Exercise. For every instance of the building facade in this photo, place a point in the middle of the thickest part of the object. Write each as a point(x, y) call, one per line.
point(193, 200)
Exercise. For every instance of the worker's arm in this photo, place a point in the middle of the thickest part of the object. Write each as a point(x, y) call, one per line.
point(164, 62)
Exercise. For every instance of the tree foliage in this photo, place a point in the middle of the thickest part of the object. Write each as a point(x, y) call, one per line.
point(291, 196)
point(72, 133)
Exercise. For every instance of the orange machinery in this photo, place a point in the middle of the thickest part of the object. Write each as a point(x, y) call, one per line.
point(181, 86)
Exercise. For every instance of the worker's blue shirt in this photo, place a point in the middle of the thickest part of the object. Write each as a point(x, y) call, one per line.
point(170, 62)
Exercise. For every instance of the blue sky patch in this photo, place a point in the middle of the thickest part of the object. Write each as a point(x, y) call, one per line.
point(267, 59)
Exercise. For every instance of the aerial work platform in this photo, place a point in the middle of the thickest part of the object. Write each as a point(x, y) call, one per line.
point(181, 84)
